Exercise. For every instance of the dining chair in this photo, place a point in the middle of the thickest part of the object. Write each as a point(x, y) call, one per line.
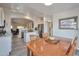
point(33, 37)
point(72, 48)
point(45, 36)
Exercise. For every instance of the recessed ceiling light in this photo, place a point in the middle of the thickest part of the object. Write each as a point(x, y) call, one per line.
point(27, 17)
point(18, 8)
point(48, 4)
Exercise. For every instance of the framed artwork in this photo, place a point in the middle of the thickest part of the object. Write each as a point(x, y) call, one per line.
point(68, 23)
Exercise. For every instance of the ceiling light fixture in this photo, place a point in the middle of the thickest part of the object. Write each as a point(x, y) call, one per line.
point(48, 4)
point(27, 17)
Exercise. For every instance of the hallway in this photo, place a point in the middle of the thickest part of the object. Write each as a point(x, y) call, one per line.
point(18, 47)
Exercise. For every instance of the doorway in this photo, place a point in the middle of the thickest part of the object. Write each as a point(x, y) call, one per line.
point(17, 28)
point(50, 28)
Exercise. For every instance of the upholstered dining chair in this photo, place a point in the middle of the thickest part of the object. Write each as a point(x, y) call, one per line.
point(45, 36)
point(72, 48)
point(33, 37)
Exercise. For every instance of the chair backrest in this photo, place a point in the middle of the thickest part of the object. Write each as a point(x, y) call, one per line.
point(45, 35)
point(73, 40)
point(33, 37)
point(72, 48)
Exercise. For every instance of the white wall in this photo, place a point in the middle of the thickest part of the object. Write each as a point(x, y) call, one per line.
point(63, 32)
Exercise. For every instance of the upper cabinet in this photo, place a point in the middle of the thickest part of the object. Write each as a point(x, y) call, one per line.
point(1, 17)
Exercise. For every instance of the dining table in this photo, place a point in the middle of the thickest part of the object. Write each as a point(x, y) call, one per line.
point(41, 47)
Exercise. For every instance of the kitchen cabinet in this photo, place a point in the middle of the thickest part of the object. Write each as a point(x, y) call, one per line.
point(5, 45)
point(1, 17)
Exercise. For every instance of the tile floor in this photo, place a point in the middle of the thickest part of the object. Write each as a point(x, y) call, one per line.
point(18, 47)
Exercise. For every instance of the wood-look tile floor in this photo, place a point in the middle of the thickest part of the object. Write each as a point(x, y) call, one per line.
point(18, 47)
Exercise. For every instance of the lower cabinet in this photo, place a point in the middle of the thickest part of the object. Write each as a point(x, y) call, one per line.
point(5, 45)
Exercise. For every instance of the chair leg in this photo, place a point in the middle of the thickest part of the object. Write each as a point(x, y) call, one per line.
point(28, 51)
point(32, 54)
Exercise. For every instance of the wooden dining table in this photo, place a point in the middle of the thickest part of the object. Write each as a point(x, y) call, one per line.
point(40, 47)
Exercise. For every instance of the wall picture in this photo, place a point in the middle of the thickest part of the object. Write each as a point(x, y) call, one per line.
point(68, 23)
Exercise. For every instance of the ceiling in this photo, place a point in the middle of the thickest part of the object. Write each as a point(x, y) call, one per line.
point(39, 9)
point(21, 21)
point(54, 8)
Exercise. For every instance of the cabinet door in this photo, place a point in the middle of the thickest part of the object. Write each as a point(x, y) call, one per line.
point(5, 45)
point(1, 17)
